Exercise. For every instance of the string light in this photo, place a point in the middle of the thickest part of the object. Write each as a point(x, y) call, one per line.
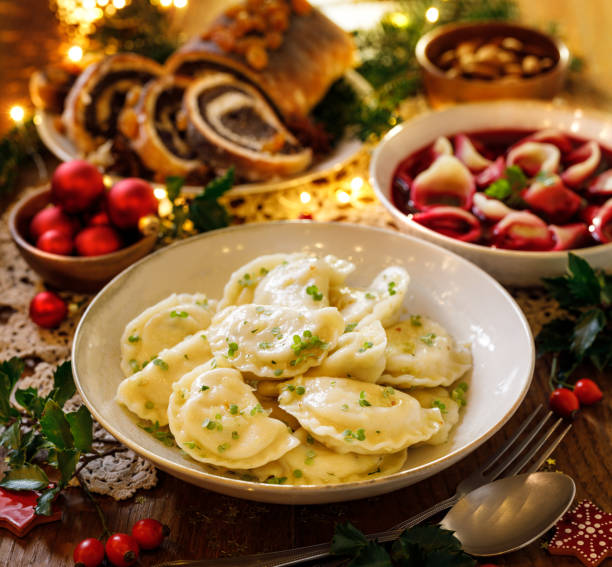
point(305, 197)
point(75, 53)
point(102, 3)
point(89, 4)
point(432, 14)
point(165, 3)
point(342, 196)
point(119, 4)
point(160, 193)
point(17, 113)
point(356, 183)
point(399, 19)
point(180, 3)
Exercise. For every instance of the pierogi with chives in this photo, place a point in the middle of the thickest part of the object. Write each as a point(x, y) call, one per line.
point(296, 376)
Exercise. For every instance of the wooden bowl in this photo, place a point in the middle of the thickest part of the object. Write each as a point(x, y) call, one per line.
point(74, 273)
point(443, 89)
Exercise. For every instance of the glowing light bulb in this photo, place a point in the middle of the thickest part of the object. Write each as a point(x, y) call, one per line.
point(102, 3)
point(180, 3)
point(342, 196)
point(305, 197)
point(17, 113)
point(119, 4)
point(165, 3)
point(160, 193)
point(75, 53)
point(399, 19)
point(89, 4)
point(356, 183)
point(432, 14)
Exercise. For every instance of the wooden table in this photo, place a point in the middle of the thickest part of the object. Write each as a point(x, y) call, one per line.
point(205, 524)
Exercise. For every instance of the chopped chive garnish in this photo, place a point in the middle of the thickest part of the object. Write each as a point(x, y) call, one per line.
point(233, 409)
point(297, 473)
point(181, 314)
point(133, 338)
point(149, 405)
point(366, 346)
point(369, 295)
point(300, 390)
point(232, 348)
point(438, 404)
point(223, 447)
point(428, 339)
point(314, 292)
point(391, 288)
point(161, 363)
point(203, 388)
point(350, 327)
point(415, 320)
point(278, 372)
point(235, 435)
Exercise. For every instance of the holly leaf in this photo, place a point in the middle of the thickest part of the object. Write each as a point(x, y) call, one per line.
point(600, 352)
point(347, 540)
point(583, 282)
point(555, 336)
point(30, 401)
point(55, 426)
point(45, 501)
point(427, 545)
point(10, 438)
point(205, 211)
point(445, 558)
point(174, 184)
point(63, 384)
point(588, 326)
point(10, 372)
point(26, 477)
point(67, 462)
point(220, 185)
point(371, 555)
point(81, 427)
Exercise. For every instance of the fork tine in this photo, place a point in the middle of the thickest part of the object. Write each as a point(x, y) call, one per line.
point(502, 451)
point(549, 449)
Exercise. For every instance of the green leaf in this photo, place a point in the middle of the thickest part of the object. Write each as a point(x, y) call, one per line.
point(27, 477)
point(67, 462)
point(10, 372)
point(560, 290)
point(205, 211)
point(445, 558)
point(219, 185)
point(81, 427)
point(347, 540)
point(372, 555)
point(516, 178)
point(55, 426)
point(174, 184)
point(555, 336)
point(583, 282)
point(30, 400)
point(45, 501)
point(11, 437)
point(587, 328)
point(63, 384)
point(499, 189)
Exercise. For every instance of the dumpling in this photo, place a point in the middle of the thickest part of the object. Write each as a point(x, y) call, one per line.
point(146, 392)
point(357, 417)
point(163, 325)
point(313, 463)
point(302, 282)
point(359, 354)
point(215, 418)
point(421, 353)
point(241, 285)
point(382, 301)
point(272, 341)
point(449, 408)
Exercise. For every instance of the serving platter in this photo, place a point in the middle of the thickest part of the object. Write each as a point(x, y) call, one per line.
point(463, 298)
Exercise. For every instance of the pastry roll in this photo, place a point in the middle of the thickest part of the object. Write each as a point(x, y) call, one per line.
point(294, 67)
point(97, 97)
point(231, 124)
point(156, 129)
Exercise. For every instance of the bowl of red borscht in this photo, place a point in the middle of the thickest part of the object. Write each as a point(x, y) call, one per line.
point(511, 185)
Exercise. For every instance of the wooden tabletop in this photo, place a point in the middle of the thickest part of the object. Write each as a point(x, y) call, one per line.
point(206, 524)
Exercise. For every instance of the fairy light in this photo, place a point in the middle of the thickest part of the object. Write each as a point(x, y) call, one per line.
point(17, 113)
point(165, 3)
point(102, 3)
point(305, 197)
point(75, 53)
point(119, 4)
point(89, 4)
point(180, 3)
point(356, 183)
point(399, 19)
point(342, 196)
point(432, 14)
point(160, 193)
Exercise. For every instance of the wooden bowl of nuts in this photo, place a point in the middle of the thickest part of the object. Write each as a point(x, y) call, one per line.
point(490, 60)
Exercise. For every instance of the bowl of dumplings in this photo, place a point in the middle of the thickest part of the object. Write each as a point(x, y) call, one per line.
point(300, 362)
point(510, 185)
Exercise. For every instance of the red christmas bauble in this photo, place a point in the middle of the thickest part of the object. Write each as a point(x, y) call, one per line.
point(56, 242)
point(47, 309)
point(97, 240)
point(129, 200)
point(76, 185)
point(52, 217)
point(99, 218)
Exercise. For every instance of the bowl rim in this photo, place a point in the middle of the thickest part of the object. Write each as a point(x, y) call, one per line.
point(428, 65)
point(22, 242)
point(247, 487)
point(460, 245)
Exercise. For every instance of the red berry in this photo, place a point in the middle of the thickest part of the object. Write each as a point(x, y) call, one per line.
point(97, 240)
point(89, 553)
point(122, 550)
point(564, 402)
point(52, 217)
point(129, 200)
point(149, 533)
point(76, 185)
point(56, 242)
point(587, 392)
point(47, 309)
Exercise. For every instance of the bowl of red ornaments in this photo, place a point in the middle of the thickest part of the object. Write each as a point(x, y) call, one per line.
point(77, 234)
point(511, 185)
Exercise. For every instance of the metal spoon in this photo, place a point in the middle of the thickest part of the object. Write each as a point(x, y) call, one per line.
point(510, 513)
point(496, 518)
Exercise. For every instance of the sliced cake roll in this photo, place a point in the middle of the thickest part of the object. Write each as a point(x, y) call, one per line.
point(231, 124)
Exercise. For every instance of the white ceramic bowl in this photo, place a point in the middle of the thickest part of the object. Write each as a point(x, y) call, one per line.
point(508, 266)
point(463, 298)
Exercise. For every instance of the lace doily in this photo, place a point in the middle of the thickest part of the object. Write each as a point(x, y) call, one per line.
point(343, 196)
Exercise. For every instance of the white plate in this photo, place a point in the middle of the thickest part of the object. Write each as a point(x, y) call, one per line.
point(444, 286)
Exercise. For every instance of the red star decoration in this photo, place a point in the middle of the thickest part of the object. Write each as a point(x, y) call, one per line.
point(585, 532)
point(17, 511)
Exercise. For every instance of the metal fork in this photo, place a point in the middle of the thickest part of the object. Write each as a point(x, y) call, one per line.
point(509, 460)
